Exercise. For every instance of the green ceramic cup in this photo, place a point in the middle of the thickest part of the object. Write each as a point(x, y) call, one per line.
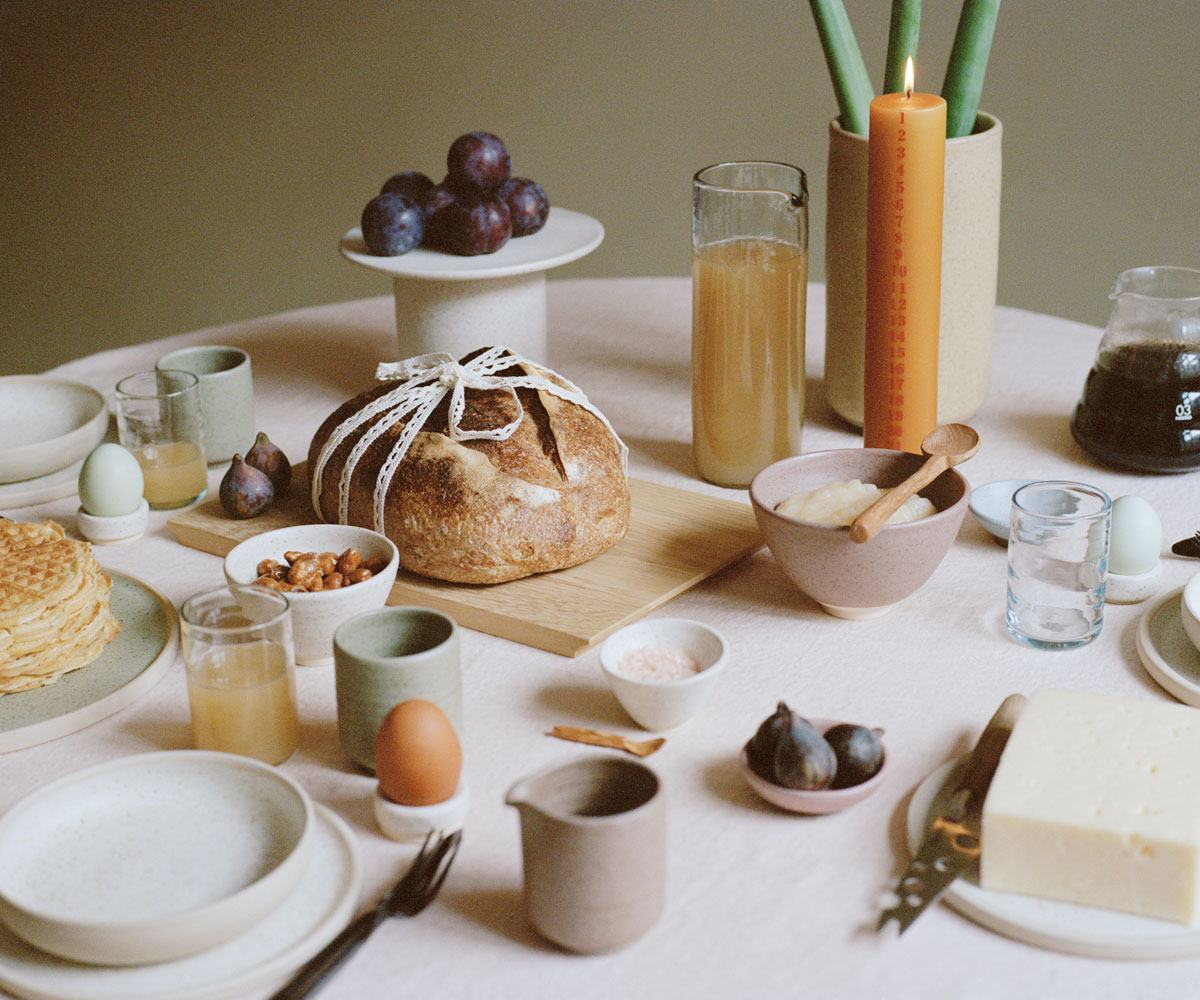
point(226, 396)
point(387, 656)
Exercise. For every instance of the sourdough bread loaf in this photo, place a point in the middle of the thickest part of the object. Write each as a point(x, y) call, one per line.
point(551, 494)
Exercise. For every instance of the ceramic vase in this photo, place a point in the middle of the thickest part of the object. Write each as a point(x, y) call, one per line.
point(970, 254)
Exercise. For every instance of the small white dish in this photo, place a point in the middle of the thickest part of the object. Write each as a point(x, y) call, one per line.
point(180, 851)
point(47, 424)
point(991, 504)
point(1046, 923)
point(308, 919)
point(1132, 588)
point(413, 822)
point(113, 530)
point(659, 705)
point(315, 617)
point(818, 802)
point(1166, 650)
point(1189, 609)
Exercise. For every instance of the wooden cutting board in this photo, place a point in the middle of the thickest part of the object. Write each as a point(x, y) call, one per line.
point(676, 538)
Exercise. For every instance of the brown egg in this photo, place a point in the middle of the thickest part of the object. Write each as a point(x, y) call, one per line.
point(418, 758)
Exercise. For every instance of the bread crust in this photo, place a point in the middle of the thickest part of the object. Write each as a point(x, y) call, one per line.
point(552, 495)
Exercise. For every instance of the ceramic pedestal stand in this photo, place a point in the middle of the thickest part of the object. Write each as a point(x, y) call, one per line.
point(457, 304)
point(970, 255)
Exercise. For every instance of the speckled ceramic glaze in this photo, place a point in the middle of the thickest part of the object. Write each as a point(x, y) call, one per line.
point(594, 843)
point(849, 579)
point(183, 851)
point(315, 617)
point(388, 656)
point(970, 255)
point(226, 396)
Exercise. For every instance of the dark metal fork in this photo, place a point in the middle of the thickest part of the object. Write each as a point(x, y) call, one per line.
point(408, 897)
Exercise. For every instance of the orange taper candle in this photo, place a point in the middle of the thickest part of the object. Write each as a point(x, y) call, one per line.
point(905, 173)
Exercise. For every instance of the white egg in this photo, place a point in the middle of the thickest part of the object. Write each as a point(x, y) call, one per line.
point(1135, 539)
point(110, 481)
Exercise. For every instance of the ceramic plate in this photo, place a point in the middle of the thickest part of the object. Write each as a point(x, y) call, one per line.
point(1067, 927)
point(183, 851)
point(47, 424)
point(63, 483)
point(319, 907)
point(128, 667)
point(565, 237)
point(991, 504)
point(1167, 652)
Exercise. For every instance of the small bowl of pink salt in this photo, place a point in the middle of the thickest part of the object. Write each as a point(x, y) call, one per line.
point(663, 670)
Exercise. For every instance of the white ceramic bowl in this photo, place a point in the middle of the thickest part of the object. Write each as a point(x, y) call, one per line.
point(414, 822)
point(659, 705)
point(820, 801)
point(47, 424)
point(1189, 609)
point(152, 857)
point(991, 504)
point(315, 617)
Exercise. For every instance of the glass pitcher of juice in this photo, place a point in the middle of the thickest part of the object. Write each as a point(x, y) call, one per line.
point(749, 284)
point(1140, 407)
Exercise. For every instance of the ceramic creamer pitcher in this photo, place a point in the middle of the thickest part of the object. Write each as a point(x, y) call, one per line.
point(593, 837)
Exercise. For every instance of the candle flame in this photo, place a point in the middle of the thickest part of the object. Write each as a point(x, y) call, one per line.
point(909, 78)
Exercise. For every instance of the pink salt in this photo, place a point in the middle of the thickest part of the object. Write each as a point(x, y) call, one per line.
point(658, 664)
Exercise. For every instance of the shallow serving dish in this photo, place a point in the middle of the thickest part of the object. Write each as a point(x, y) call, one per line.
point(659, 705)
point(821, 801)
point(850, 579)
point(315, 617)
point(991, 504)
point(47, 424)
point(152, 857)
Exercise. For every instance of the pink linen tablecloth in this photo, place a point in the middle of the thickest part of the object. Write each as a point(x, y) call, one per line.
point(760, 903)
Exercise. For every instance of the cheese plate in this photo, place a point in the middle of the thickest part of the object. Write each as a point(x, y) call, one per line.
point(676, 539)
point(1046, 923)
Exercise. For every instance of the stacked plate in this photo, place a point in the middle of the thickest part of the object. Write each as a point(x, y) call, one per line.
point(47, 426)
point(169, 875)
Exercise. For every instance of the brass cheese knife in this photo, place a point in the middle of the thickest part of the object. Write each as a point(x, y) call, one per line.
point(952, 840)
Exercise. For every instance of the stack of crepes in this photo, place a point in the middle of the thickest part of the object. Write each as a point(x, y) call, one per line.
point(54, 611)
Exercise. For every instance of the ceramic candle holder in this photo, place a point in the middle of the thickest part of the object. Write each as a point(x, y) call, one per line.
point(970, 257)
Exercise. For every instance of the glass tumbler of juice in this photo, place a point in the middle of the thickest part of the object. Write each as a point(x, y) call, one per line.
point(237, 648)
point(158, 420)
point(749, 284)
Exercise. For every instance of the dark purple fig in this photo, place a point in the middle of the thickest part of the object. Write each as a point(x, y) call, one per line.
point(266, 456)
point(788, 751)
point(245, 492)
point(858, 751)
point(527, 204)
point(479, 162)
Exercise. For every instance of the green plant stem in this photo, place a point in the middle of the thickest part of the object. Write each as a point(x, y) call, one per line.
point(902, 42)
point(968, 65)
point(851, 85)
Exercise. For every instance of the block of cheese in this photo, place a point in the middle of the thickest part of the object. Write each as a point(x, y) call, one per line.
point(1096, 801)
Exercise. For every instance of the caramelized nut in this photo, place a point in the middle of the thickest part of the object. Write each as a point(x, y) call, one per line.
point(349, 561)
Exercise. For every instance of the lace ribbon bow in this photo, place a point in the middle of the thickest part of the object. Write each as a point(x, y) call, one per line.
point(425, 381)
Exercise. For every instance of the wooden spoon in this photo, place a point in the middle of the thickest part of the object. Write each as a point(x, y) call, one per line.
point(639, 748)
point(943, 447)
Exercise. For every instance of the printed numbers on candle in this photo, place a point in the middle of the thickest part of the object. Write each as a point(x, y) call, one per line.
point(899, 307)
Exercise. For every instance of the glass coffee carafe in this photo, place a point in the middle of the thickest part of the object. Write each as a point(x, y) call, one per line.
point(1140, 407)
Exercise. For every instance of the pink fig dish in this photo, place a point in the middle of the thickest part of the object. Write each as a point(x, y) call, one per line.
point(814, 801)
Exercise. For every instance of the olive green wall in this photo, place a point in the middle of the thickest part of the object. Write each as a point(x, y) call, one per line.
point(173, 164)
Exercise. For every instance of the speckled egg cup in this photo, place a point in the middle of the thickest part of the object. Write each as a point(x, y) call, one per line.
point(400, 822)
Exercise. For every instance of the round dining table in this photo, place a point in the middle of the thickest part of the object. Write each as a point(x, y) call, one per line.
point(760, 901)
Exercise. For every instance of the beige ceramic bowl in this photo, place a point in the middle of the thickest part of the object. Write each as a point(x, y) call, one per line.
point(849, 579)
point(315, 617)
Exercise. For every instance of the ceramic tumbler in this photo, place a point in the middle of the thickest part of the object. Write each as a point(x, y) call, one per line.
point(226, 396)
point(384, 657)
point(594, 844)
point(970, 261)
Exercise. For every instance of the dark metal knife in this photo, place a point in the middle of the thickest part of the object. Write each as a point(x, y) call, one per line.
point(952, 840)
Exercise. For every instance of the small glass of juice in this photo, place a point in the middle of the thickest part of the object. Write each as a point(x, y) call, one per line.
point(241, 674)
point(158, 419)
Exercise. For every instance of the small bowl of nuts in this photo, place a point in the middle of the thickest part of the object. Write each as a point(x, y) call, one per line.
point(329, 572)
